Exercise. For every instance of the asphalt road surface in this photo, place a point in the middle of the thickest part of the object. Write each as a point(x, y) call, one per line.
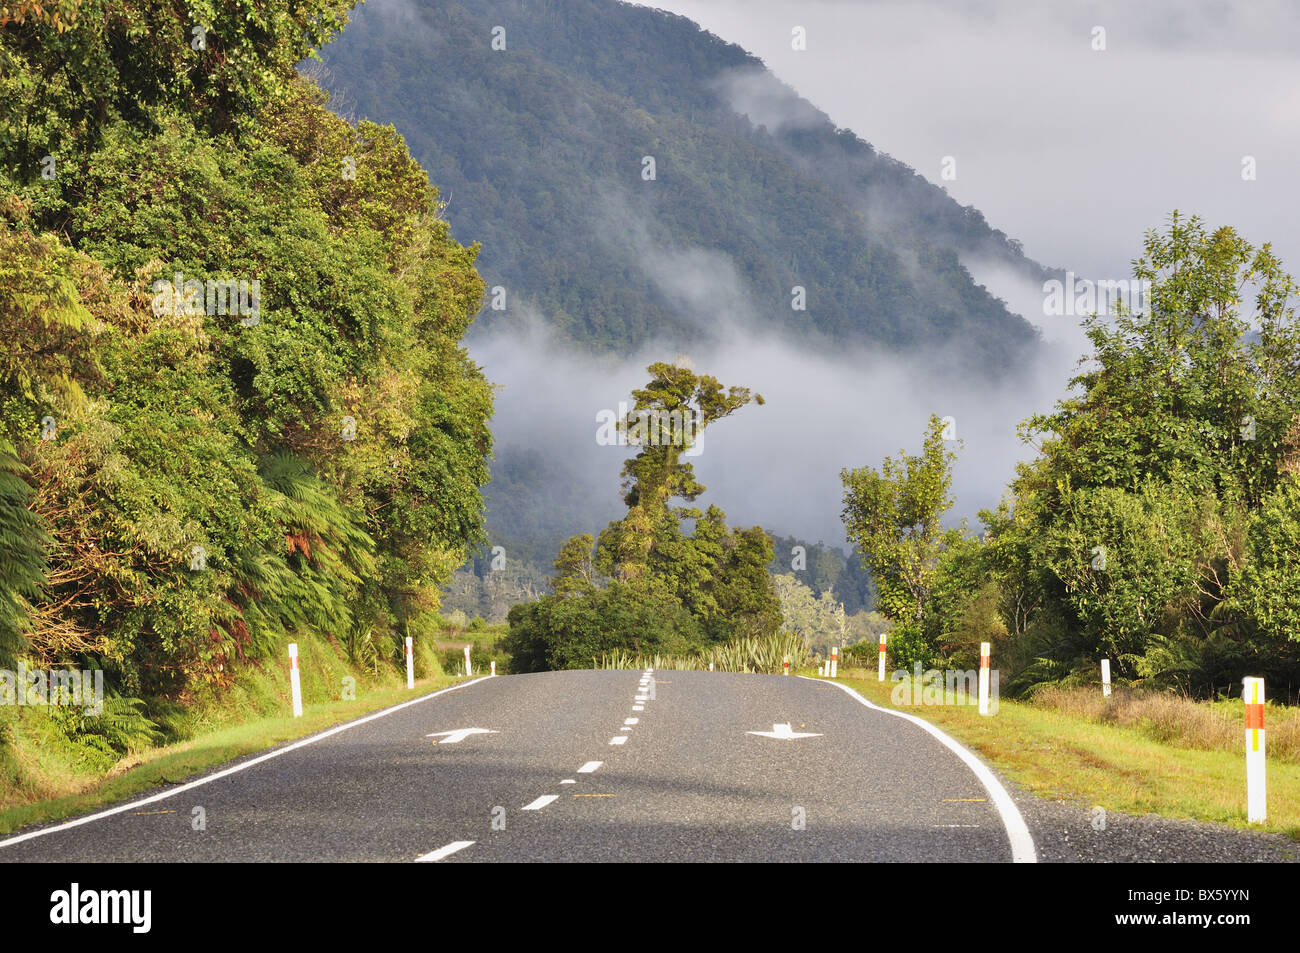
point(579, 766)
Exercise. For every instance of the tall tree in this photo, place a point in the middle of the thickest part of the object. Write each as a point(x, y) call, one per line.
point(893, 516)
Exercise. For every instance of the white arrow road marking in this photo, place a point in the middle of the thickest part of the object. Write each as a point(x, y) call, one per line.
point(541, 802)
point(459, 735)
point(442, 852)
point(1022, 843)
point(590, 766)
point(226, 772)
point(783, 731)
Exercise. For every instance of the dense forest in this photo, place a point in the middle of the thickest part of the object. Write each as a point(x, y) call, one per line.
point(537, 119)
point(1159, 523)
point(234, 406)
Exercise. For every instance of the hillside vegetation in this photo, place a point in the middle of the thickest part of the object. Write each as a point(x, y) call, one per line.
point(234, 407)
point(1159, 523)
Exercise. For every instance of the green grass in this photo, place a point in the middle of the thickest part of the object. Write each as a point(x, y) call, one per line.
point(42, 780)
point(1062, 755)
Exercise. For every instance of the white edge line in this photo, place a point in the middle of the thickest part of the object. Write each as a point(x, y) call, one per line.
point(447, 851)
point(590, 766)
point(310, 739)
point(1022, 843)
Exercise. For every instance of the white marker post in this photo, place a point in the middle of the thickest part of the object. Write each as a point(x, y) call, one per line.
point(710, 666)
point(882, 656)
point(410, 665)
point(494, 668)
point(468, 670)
point(1105, 678)
point(835, 660)
point(295, 684)
point(984, 678)
point(1252, 693)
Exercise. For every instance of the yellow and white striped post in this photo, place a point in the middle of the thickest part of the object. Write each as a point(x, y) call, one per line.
point(1252, 693)
point(882, 657)
point(984, 678)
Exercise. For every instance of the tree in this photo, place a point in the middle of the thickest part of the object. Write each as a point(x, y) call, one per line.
point(893, 516)
point(666, 591)
point(23, 559)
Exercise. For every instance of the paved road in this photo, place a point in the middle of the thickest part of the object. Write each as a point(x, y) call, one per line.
point(688, 782)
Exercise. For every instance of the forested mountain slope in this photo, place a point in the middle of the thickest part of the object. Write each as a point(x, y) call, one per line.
point(542, 150)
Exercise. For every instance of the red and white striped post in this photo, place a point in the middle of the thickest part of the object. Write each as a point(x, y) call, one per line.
point(786, 666)
point(882, 657)
point(984, 678)
point(1252, 693)
point(1105, 678)
point(835, 660)
point(410, 665)
point(295, 684)
point(468, 671)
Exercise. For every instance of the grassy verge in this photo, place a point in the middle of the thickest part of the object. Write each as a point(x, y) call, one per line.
point(42, 779)
point(1065, 754)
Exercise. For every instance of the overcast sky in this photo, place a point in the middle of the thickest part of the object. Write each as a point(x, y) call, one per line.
point(1073, 151)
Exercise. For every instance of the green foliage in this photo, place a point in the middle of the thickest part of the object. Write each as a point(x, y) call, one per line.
point(23, 561)
point(1157, 526)
point(1266, 587)
point(556, 632)
point(892, 515)
point(199, 499)
point(667, 592)
point(820, 622)
point(98, 741)
point(766, 655)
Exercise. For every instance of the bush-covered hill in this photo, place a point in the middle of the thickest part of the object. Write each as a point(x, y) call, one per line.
point(541, 148)
point(234, 406)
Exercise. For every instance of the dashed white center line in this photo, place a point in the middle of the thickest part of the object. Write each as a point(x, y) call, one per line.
point(630, 721)
point(568, 781)
point(640, 698)
point(621, 739)
point(590, 766)
point(442, 852)
point(626, 728)
point(541, 802)
point(638, 707)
